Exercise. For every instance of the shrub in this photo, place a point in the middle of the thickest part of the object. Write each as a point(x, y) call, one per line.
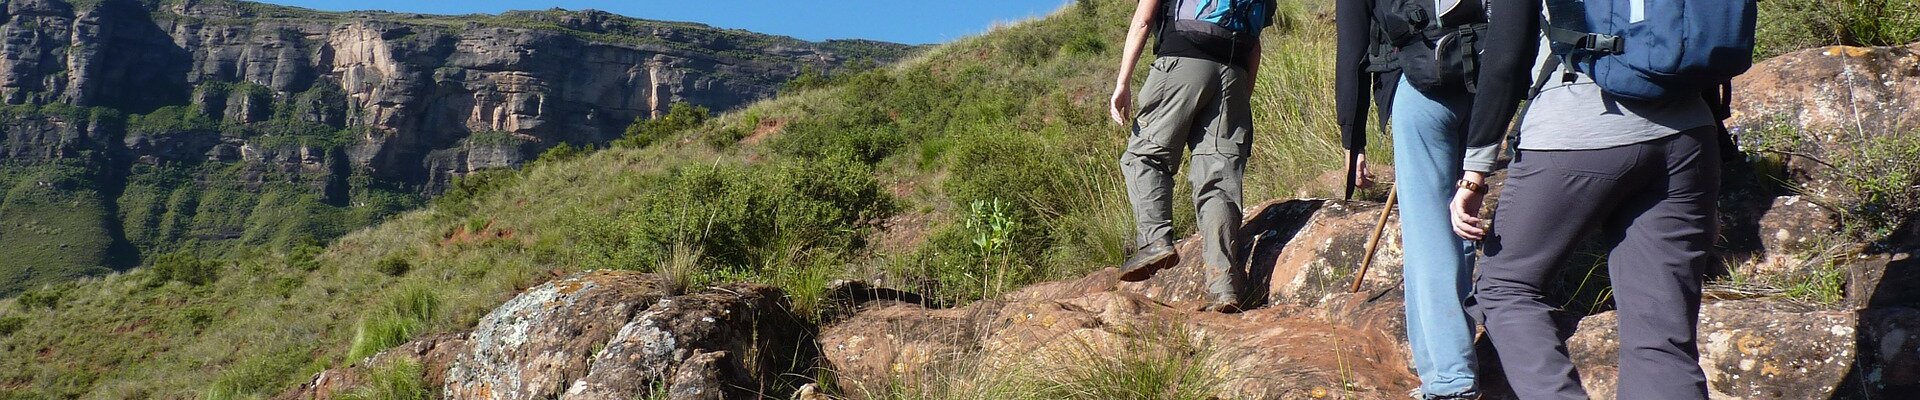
point(464, 190)
point(184, 267)
point(196, 318)
point(41, 298)
point(304, 257)
point(10, 324)
point(393, 265)
point(170, 119)
point(741, 217)
point(564, 151)
point(679, 117)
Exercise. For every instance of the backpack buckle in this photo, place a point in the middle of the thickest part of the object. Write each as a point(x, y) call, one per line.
point(1603, 43)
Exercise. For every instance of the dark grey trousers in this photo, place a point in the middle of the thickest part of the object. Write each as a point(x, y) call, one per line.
point(1655, 204)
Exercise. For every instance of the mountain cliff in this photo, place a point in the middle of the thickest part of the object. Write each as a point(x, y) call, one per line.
point(152, 126)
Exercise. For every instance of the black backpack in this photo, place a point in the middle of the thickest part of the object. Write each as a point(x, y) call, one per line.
point(1434, 50)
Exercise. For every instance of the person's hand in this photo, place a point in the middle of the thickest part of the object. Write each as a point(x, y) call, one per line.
point(1466, 209)
point(1363, 179)
point(1121, 105)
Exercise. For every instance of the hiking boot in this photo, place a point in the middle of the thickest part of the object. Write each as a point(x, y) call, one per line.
point(1147, 260)
point(1224, 304)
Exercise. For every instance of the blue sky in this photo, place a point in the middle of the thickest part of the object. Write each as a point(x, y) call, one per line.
point(903, 21)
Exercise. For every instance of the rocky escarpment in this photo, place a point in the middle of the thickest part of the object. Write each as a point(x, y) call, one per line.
point(419, 87)
point(195, 124)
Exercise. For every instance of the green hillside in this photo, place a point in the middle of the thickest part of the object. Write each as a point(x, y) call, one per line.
point(978, 167)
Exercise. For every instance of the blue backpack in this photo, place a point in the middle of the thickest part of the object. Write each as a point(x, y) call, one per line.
point(1654, 49)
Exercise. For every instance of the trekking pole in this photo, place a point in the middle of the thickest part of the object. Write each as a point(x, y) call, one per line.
point(1374, 242)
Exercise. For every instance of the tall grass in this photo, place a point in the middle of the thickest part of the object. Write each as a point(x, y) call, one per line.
point(1151, 360)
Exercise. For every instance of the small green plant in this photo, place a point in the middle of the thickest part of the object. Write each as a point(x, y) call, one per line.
point(993, 229)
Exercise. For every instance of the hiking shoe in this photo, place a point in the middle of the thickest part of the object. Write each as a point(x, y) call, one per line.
point(1224, 304)
point(1418, 395)
point(1147, 260)
point(1223, 307)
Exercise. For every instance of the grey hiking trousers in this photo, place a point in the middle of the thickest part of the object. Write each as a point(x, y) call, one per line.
point(1202, 106)
point(1655, 204)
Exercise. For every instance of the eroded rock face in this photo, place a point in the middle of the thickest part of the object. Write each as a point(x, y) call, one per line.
point(419, 90)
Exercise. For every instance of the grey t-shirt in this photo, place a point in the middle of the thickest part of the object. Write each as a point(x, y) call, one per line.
point(1579, 116)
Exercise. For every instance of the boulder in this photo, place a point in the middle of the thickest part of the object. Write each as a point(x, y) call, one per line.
point(1857, 90)
point(1831, 100)
point(607, 334)
point(541, 341)
point(727, 342)
point(1749, 349)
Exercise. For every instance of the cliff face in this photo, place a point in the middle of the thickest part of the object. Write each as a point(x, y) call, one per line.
point(420, 85)
point(237, 96)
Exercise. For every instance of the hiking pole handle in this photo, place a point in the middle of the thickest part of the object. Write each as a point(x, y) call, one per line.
point(1373, 243)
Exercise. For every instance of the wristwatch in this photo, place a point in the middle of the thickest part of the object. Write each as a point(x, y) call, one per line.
point(1471, 186)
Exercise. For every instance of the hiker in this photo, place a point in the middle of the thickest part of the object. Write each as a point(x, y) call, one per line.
point(1196, 97)
point(1619, 134)
point(1415, 59)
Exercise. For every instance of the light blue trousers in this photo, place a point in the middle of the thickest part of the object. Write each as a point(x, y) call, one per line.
point(1428, 143)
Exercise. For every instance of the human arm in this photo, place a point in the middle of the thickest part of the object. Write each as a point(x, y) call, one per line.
point(1120, 106)
point(1511, 43)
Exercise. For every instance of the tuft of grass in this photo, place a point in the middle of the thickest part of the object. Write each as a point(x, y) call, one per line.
point(403, 317)
point(1151, 360)
point(397, 380)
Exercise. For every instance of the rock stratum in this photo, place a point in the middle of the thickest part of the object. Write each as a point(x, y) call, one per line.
point(175, 124)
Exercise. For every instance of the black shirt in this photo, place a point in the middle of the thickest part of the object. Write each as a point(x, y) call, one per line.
point(1194, 44)
point(1508, 50)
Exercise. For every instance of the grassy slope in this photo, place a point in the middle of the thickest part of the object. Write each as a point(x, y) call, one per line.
point(51, 215)
point(1014, 115)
